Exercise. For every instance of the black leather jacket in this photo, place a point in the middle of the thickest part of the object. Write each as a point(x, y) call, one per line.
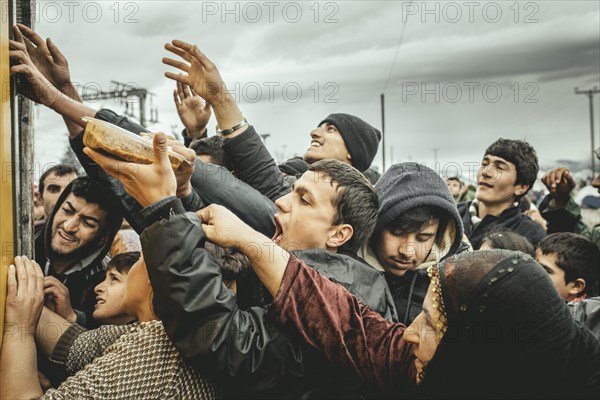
point(250, 354)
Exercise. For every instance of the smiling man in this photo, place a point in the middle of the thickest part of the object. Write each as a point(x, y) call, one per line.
point(507, 172)
point(72, 247)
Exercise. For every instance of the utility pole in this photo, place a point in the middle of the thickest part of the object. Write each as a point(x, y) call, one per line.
point(590, 93)
point(383, 131)
point(435, 150)
point(123, 92)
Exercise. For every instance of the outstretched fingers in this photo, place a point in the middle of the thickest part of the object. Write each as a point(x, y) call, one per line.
point(183, 78)
point(30, 34)
point(177, 64)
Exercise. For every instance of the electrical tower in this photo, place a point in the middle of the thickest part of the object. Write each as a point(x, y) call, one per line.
point(124, 92)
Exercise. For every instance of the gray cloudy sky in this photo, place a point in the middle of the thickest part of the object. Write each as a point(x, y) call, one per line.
point(465, 73)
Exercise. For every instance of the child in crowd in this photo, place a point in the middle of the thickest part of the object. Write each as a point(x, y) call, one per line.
point(573, 263)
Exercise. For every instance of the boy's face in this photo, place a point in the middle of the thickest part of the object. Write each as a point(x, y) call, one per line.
point(567, 291)
point(399, 251)
point(305, 215)
point(109, 295)
point(454, 187)
point(496, 181)
point(326, 142)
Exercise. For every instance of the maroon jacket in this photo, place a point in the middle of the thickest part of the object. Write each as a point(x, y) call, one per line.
point(349, 333)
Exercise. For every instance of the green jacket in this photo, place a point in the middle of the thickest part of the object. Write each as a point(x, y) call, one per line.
point(567, 219)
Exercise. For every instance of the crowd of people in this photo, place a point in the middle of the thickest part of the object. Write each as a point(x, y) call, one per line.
point(235, 277)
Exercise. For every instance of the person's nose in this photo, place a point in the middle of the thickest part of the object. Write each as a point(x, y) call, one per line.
point(283, 203)
point(71, 225)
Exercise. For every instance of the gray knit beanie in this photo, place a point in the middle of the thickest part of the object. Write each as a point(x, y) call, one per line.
point(408, 185)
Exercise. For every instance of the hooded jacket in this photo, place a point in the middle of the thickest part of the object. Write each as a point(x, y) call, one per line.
point(250, 355)
point(84, 274)
point(403, 187)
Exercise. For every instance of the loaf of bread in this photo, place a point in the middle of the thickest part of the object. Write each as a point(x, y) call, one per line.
point(102, 135)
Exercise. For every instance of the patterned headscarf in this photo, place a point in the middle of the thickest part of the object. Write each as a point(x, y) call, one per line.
point(507, 332)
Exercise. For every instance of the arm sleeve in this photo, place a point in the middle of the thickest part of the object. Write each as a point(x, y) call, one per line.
point(349, 333)
point(567, 219)
point(251, 161)
point(200, 314)
point(77, 347)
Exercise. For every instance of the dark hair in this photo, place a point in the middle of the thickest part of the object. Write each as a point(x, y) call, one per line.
point(356, 202)
point(233, 263)
point(58, 170)
point(506, 239)
point(520, 153)
point(210, 146)
point(123, 262)
point(96, 193)
point(455, 178)
point(415, 218)
point(578, 256)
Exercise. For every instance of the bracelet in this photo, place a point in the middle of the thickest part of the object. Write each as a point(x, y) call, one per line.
point(226, 132)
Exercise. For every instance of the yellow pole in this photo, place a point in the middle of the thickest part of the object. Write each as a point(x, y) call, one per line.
point(6, 189)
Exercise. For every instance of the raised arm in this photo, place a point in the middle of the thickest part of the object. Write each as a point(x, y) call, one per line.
point(249, 158)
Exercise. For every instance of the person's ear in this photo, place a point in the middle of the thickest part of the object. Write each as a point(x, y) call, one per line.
point(521, 189)
point(340, 235)
point(576, 287)
point(37, 198)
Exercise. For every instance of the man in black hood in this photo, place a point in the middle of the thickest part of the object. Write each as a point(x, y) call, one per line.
point(72, 248)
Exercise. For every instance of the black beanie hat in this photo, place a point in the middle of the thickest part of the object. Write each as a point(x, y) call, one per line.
point(360, 138)
point(409, 185)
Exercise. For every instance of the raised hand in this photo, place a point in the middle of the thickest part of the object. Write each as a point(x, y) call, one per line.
point(560, 183)
point(203, 77)
point(60, 302)
point(193, 112)
point(45, 55)
point(200, 74)
point(36, 87)
point(24, 295)
point(147, 183)
point(184, 173)
point(224, 228)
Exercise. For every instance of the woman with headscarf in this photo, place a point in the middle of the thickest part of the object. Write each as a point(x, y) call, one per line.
point(492, 326)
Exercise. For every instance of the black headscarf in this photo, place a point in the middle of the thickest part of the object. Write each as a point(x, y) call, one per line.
point(509, 334)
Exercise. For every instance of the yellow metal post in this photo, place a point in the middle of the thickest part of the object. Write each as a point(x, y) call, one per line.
point(6, 187)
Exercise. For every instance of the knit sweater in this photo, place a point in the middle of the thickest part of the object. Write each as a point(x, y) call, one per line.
point(141, 363)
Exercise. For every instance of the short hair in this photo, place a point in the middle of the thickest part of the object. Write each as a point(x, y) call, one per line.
point(233, 263)
point(522, 155)
point(578, 256)
point(210, 146)
point(505, 239)
point(96, 193)
point(123, 262)
point(356, 202)
point(58, 170)
point(412, 220)
point(455, 178)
